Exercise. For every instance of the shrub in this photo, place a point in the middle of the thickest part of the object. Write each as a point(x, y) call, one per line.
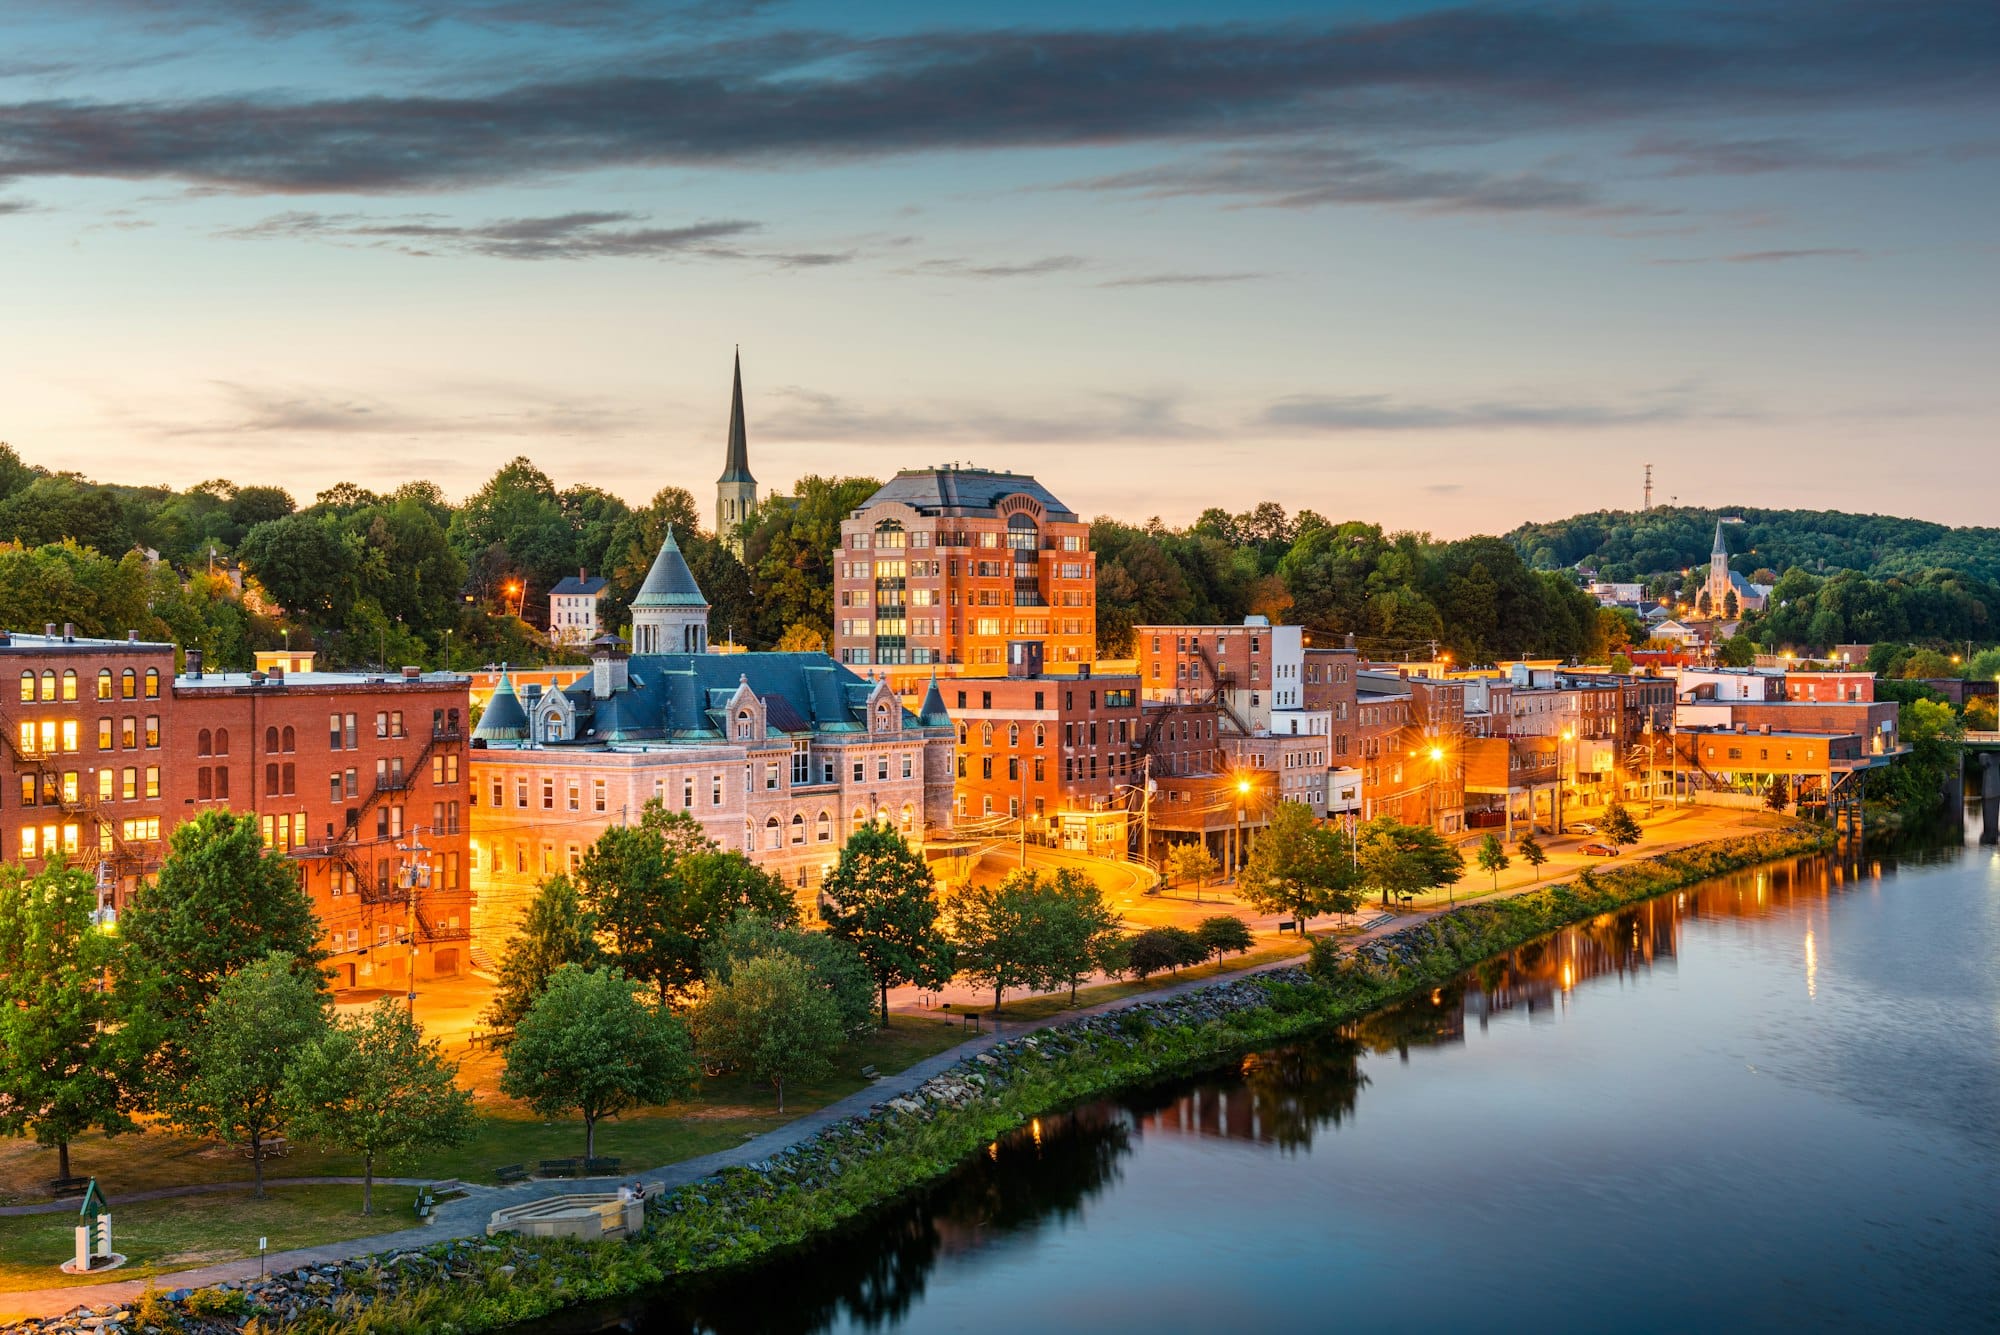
point(1324, 961)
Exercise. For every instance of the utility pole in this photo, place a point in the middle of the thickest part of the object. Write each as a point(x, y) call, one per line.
point(416, 875)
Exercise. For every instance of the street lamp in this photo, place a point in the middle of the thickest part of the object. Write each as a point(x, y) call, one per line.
point(1568, 735)
point(1236, 859)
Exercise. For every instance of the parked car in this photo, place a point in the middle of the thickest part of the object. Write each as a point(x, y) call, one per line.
point(1582, 827)
point(1599, 851)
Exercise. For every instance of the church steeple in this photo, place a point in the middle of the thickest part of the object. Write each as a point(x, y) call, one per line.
point(736, 489)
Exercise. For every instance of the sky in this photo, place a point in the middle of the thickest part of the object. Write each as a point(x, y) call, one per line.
point(1443, 267)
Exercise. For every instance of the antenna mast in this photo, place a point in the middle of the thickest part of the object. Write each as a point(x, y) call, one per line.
point(1649, 488)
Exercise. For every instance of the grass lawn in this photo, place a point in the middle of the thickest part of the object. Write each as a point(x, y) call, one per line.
point(720, 1114)
point(188, 1231)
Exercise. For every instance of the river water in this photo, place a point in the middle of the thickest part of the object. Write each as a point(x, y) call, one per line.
point(1769, 1103)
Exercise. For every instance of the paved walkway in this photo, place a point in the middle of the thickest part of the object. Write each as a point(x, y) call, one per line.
point(467, 1216)
point(208, 1189)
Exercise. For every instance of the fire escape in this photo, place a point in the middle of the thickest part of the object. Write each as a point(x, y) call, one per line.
point(117, 857)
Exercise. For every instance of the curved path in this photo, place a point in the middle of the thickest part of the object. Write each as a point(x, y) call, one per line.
point(467, 1216)
point(212, 1188)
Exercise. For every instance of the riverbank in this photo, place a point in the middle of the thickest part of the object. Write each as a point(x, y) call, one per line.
point(859, 1163)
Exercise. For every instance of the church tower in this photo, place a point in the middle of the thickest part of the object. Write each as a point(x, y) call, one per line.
point(735, 490)
point(669, 613)
point(1718, 571)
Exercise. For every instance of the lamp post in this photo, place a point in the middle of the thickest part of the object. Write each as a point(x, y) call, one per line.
point(1568, 735)
point(1236, 858)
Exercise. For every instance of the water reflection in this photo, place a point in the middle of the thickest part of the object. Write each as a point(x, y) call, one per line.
point(1033, 1191)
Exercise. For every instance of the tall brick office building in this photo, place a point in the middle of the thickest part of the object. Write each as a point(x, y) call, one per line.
point(359, 777)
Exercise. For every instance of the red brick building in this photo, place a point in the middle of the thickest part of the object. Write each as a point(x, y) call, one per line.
point(362, 779)
point(88, 730)
point(950, 565)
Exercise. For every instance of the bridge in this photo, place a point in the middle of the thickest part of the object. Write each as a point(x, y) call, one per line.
point(1983, 749)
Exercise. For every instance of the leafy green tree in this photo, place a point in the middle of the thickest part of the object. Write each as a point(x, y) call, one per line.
point(1493, 857)
point(789, 545)
point(59, 1073)
point(1191, 861)
point(1157, 948)
point(1222, 934)
point(1003, 934)
point(1618, 825)
point(1301, 867)
point(835, 964)
point(590, 1046)
point(221, 900)
point(881, 896)
point(258, 1019)
point(1934, 735)
point(1531, 851)
point(1083, 932)
point(519, 512)
point(1739, 650)
point(1406, 860)
point(773, 1018)
point(557, 930)
point(61, 582)
point(307, 564)
point(373, 1086)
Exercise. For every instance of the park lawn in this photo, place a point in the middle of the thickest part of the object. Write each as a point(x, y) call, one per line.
point(190, 1231)
point(1055, 1003)
point(721, 1114)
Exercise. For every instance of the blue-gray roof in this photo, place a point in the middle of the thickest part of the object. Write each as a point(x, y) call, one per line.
point(685, 697)
point(580, 584)
point(669, 583)
point(503, 719)
point(964, 491)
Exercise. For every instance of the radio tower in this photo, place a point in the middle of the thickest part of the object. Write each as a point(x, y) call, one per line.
point(1649, 488)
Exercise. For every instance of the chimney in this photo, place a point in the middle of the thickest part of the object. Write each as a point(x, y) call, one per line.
point(48, 630)
point(194, 657)
point(131, 637)
point(6, 637)
point(256, 678)
point(411, 673)
point(69, 632)
point(276, 676)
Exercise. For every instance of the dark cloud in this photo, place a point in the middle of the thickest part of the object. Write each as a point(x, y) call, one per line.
point(960, 268)
point(278, 411)
point(1182, 279)
point(565, 236)
point(1305, 176)
point(808, 415)
point(1773, 256)
point(1380, 412)
point(1752, 157)
point(812, 96)
point(8, 206)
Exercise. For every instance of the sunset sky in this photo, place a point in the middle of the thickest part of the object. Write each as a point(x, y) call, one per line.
point(1449, 268)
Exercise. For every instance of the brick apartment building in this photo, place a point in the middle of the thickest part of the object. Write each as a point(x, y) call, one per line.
point(947, 566)
point(1249, 670)
point(111, 751)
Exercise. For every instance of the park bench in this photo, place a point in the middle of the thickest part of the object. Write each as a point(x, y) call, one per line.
point(274, 1147)
point(69, 1186)
point(558, 1168)
point(600, 1167)
point(870, 1073)
point(1288, 926)
point(513, 1172)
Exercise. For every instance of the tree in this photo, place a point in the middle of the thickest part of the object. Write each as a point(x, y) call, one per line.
point(589, 1045)
point(220, 901)
point(1159, 948)
point(800, 638)
point(1739, 650)
point(1934, 734)
point(1493, 857)
point(773, 1018)
point(1002, 933)
point(1405, 860)
point(1301, 867)
point(881, 896)
point(1191, 861)
point(259, 1017)
point(1082, 930)
point(59, 1074)
point(372, 1085)
point(1618, 825)
point(1531, 851)
point(835, 964)
point(1222, 934)
point(556, 930)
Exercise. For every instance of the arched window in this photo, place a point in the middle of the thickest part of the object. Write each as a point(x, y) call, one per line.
point(889, 533)
point(27, 685)
point(908, 814)
point(104, 683)
point(128, 683)
point(1013, 734)
point(860, 818)
point(773, 834)
point(882, 717)
point(152, 683)
point(743, 725)
point(961, 734)
point(48, 683)
point(1021, 534)
point(882, 817)
point(287, 740)
point(798, 828)
point(69, 683)
point(986, 734)
point(823, 828)
point(204, 743)
point(1041, 736)
point(222, 741)
point(270, 739)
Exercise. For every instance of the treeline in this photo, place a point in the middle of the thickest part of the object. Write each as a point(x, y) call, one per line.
point(1937, 607)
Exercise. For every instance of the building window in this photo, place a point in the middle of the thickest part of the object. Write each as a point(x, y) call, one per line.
point(104, 683)
point(152, 683)
point(773, 834)
point(598, 797)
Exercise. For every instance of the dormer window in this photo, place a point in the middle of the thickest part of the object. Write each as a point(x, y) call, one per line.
point(743, 720)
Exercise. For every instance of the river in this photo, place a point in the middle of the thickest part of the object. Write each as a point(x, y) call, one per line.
point(1769, 1103)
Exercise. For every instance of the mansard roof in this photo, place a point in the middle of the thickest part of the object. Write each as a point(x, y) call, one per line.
point(965, 491)
point(686, 697)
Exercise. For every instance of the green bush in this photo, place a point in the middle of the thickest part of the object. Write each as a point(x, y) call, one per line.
point(1222, 934)
point(1159, 948)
